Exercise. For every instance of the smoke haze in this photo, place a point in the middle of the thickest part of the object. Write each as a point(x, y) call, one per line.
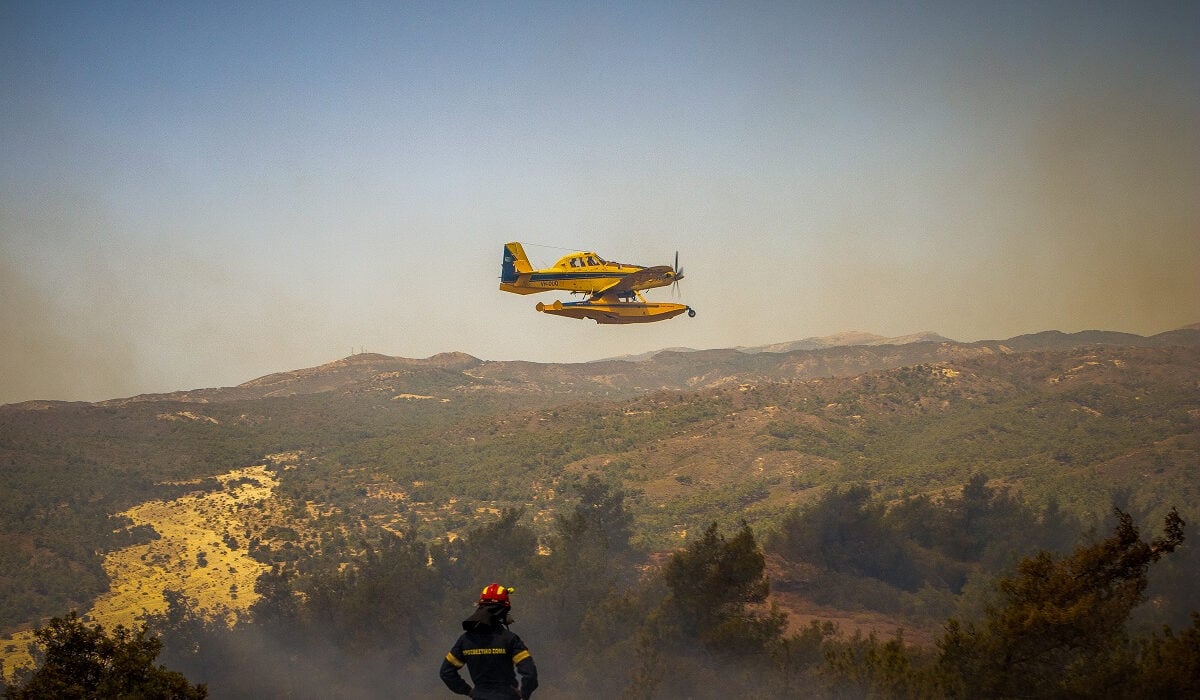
point(195, 198)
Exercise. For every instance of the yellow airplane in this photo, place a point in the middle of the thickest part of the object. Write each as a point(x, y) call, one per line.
point(614, 288)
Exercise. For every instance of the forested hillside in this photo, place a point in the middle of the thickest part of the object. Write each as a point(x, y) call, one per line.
point(373, 618)
point(899, 480)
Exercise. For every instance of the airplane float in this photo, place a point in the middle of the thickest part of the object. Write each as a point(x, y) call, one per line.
point(613, 289)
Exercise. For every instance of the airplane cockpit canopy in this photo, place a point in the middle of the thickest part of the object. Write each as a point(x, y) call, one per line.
point(581, 260)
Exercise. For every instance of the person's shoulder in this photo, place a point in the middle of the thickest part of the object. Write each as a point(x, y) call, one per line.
point(515, 638)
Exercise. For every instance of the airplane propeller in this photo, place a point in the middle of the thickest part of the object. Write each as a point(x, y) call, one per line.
point(678, 275)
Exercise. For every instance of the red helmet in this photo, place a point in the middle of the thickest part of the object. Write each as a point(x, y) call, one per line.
point(494, 594)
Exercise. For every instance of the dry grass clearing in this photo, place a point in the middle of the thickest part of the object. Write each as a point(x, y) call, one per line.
point(201, 552)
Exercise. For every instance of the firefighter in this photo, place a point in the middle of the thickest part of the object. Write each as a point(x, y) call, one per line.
point(490, 651)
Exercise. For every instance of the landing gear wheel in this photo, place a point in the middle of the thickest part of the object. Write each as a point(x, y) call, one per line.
point(691, 312)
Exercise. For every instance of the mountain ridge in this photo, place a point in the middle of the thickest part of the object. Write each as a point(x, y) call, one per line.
point(840, 354)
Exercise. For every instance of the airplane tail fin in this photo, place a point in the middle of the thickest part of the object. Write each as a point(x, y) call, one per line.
point(514, 263)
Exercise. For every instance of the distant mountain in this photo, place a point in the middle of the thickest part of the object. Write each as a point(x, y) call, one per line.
point(1055, 340)
point(362, 371)
point(847, 338)
point(458, 374)
point(1180, 336)
point(643, 356)
point(829, 341)
point(1045, 340)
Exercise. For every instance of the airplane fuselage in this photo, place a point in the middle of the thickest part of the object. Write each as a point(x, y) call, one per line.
point(583, 272)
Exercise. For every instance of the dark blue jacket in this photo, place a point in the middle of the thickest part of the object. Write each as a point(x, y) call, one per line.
point(490, 652)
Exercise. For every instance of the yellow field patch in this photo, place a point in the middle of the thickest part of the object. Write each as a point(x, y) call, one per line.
point(192, 555)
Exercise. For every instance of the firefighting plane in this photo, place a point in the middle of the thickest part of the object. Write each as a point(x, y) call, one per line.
point(613, 289)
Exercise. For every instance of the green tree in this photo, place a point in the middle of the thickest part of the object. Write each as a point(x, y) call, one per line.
point(496, 551)
point(1059, 627)
point(864, 666)
point(277, 605)
point(1169, 666)
point(846, 532)
point(77, 661)
point(589, 554)
point(599, 521)
point(713, 582)
point(377, 601)
point(710, 636)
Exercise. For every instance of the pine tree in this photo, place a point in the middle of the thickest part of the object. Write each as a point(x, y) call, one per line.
point(1059, 627)
point(79, 662)
point(713, 584)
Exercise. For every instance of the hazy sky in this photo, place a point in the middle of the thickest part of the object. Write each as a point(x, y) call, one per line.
point(195, 194)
